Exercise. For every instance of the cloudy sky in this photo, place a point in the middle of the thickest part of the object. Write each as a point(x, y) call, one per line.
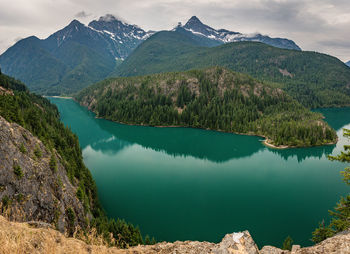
point(317, 25)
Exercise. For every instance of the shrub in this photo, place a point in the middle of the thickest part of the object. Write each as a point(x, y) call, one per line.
point(287, 244)
point(18, 171)
point(37, 152)
point(53, 163)
point(22, 149)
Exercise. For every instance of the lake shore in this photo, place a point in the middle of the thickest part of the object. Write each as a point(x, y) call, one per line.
point(60, 97)
point(267, 142)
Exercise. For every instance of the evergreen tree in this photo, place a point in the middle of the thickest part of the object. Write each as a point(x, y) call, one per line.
point(341, 215)
point(287, 244)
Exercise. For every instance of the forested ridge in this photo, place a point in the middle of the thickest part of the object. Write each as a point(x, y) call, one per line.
point(313, 79)
point(213, 98)
point(41, 118)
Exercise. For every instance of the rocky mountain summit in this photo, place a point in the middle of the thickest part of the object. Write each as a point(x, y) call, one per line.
point(33, 185)
point(195, 26)
point(73, 57)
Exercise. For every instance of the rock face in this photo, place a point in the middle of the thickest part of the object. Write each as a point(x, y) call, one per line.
point(31, 189)
point(22, 238)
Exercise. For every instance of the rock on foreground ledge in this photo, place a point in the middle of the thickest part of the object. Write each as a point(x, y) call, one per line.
point(21, 238)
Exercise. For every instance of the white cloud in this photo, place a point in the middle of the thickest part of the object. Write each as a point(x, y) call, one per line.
point(318, 25)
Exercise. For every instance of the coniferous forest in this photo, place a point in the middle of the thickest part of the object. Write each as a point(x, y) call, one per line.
point(41, 118)
point(213, 98)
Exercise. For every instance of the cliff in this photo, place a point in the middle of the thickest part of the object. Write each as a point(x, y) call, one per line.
point(32, 188)
point(22, 238)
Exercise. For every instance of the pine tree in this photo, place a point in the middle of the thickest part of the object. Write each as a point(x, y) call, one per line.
point(287, 244)
point(341, 213)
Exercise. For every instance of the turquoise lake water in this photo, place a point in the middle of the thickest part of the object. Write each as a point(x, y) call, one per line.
point(190, 184)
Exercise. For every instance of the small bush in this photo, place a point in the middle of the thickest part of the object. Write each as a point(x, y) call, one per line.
point(287, 244)
point(20, 197)
point(18, 171)
point(6, 201)
point(37, 152)
point(22, 149)
point(80, 194)
point(53, 163)
point(71, 221)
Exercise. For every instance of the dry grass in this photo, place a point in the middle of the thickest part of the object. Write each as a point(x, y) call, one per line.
point(21, 238)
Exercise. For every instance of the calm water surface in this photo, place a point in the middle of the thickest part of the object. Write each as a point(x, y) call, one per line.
point(189, 184)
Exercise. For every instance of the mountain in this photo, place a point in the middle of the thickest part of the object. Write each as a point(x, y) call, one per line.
point(348, 63)
point(79, 55)
point(195, 26)
point(213, 98)
point(35, 165)
point(314, 79)
point(72, 57)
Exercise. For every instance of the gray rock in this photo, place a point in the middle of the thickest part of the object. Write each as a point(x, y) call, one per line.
point(36, 193)
point(273, 250)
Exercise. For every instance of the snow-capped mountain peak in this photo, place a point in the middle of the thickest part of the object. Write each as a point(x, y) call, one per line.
point(195, 26)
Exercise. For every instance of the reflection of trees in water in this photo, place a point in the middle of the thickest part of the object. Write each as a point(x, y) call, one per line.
point(202, 144)
point(110, 146)
point(304, 153)
point(336, 117)
point(111, 138)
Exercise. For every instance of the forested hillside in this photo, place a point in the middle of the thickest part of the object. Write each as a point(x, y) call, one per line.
point(213, 98)
point(314, 79)
point(41, 119)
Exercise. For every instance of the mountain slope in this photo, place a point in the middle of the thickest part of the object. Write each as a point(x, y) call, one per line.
point(79, 55)
point(72, 57)
point(195, 26)
point(313, 79)
point(38, 157)
point(348, 63)
point(42, 174)
point(213, 98)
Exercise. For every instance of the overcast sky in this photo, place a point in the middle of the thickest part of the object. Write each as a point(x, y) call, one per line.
point(317, 25)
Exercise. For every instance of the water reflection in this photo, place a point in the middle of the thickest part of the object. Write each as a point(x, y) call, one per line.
point(110, 138)
point(336, 117)
point(305, 153)
point(202, 144)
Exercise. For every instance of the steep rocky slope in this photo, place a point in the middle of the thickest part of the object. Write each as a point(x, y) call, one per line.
point(43, 178)
point(31, 189)
point(22, 238)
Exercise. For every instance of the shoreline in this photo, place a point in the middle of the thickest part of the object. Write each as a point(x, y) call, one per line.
point(60, 97)
point(266, 142)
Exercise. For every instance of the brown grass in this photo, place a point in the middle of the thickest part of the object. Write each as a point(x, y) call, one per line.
point(21, 238)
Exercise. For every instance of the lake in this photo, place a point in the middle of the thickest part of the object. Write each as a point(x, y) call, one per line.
point(190, 184)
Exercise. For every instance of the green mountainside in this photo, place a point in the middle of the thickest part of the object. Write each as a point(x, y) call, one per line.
point(214, 98)
point(314, 79)
point(41, 119)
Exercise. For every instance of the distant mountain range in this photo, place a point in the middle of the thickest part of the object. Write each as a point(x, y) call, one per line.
point(313, 79)
point(348, 63)
point(73, 57)
point(195, 26)
point(79, 55)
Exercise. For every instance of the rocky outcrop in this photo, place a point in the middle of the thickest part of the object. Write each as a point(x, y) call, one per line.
point(33, 182)
point(22, 238)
